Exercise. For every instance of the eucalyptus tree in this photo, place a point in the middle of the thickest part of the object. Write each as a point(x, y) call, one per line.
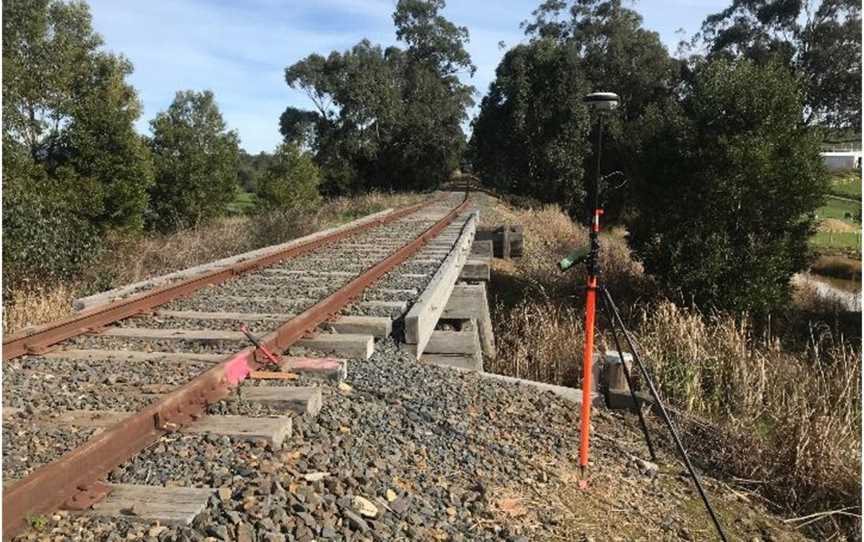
point(196, 159)
point(73, 165)
point(819, 39)
point(386, 118)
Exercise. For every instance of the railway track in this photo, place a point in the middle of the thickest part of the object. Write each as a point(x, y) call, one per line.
point(94, 407)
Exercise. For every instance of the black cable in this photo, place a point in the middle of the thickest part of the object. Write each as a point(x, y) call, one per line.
point(606, 312)
point(665, 416)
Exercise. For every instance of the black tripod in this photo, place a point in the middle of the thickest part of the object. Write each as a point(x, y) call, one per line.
point(603, 102)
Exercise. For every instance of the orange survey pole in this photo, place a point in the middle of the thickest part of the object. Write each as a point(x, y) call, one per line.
point(588, 352)
point(600, 101)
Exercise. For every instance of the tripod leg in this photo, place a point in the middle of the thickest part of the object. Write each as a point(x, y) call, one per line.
point(665, 416)
point(613, 327)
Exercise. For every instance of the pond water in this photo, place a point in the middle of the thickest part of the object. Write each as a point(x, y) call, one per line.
point(847, 292)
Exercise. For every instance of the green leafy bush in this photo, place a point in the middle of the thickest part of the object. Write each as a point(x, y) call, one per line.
point(290, 180)
point(728, 183)
point(46, 237)
point(529, 138)
point(196, 161)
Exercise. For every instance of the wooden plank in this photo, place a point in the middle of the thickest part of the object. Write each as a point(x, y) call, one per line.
point(453, 342)
point(271, 430)
point(392, 305)
point(301, 301)
point(241, 316)
point(573, 395)
point(475, 269)
point(469, 301)
point(482, 249)
point(298, 399)
point(273, 375)
point(202, 335)
point(172, 506)
point(349, 345)
point(377, 326)
point(131, 355)
point(334, 368)
point(421, 319)
point(397, 291)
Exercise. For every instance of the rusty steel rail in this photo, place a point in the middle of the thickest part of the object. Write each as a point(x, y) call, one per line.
point(74, 477)
point(36, 340)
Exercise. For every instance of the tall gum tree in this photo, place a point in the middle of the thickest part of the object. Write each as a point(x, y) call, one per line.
point(386, 118)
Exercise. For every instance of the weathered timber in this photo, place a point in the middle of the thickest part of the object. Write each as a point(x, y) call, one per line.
point(468, 301)
point(506, 240)
point(570, 394)
point(334, 368)
point(349, 345)
point(172, 506)
point(199, 335)
point(377, 326)
point(399, 306)
point(297, 399)
point(272, 375)
point(131, 355)
point(476, 269)
point(424, 314)
point(453, 342)
point(482, 249)
point(305, 301)
point(274, 431)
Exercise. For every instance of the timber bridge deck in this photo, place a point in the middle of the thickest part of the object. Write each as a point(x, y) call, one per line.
point(84, 396)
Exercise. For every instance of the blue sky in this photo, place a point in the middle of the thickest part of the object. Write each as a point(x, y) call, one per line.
point(240, 48)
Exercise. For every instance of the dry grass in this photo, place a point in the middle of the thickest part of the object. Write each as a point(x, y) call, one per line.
point(34, 306)
point(791, 420)
point(126, 260)
point(782, 421)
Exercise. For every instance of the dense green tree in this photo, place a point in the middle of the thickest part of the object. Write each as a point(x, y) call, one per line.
point(820, 39)
point(66, 104)
point(73, 165)
point(729, 184)
point(616, 53)
point(251, 169)
point(196, 162)
point(529, 137)
point(290, 180)
point(386, 118)
point(602, 45)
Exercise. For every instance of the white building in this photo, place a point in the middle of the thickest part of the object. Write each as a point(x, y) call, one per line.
point(840, 161)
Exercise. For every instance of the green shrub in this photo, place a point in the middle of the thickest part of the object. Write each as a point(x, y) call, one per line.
point(46, 237)
point(290, 180)
point(196, 160)
point(728, 183)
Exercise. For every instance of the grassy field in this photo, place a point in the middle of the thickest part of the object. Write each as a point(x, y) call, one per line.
point(847, 185)
point(244, 202)
point(840, 218)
